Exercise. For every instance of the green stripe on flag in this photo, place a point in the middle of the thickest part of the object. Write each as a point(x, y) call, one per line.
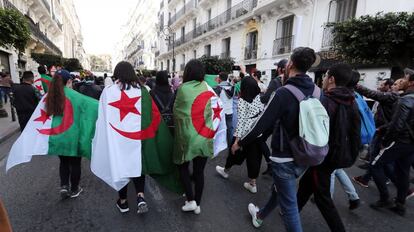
point(211, 80)
point(157, 151)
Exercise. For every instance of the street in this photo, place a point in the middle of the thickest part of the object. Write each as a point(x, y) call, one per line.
point(30, 194)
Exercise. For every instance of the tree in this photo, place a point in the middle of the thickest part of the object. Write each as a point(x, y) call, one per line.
point(379, 39)
point(215, 65)
point(14, 29)
point(48, 59)
point(72, 64)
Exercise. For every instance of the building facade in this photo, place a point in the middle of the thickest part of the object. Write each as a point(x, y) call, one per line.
point(54, 28)
point(257, 33)
point(140, 38)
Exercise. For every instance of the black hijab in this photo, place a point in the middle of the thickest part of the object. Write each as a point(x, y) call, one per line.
point(249, 89)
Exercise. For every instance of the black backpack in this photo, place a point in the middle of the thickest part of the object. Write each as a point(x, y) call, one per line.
point(345, 139)
point(166, 110)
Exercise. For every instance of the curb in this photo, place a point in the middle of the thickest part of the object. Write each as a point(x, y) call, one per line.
point(9, 134)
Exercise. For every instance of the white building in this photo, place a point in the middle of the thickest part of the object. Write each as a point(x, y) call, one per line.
point(140, 35)
point(54, 28)
point(257, 33)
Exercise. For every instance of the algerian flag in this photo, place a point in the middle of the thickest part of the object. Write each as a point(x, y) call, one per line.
point(42, 83)
point(211, 80)
point(132, 140)
point(68, 135)
point(200, 123)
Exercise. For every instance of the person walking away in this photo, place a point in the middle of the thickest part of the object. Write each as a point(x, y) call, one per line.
point(164, 98)
point(5, 86)
point(275, 83)
point(226, 91)
point(196, 109)
point(90, 89)
point(249, 109)
point(397, 146)
point(386, 103)
point(108, 80)
point(344, 143)
point(45, 79)
point(257, 75)
point(26, 98)
point(284, 169)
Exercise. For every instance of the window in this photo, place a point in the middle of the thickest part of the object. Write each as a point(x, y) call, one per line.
point(225, 48)
point(182, 34)
point(168, 65)
point(341, 10)
point(195, 54)
point(162, 65)
point(228, 4)
point(208, 14)
point(207, 50)
point(183, 64)
point(284, 36)
point(251, 46)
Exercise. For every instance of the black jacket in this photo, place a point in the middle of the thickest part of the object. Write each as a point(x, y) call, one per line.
point(165, 95)
point(386, 100)
point(283, 107)
point(274, 84)
point(91, 89)
point(344, 127)
point(402, 121)
point(26, 98)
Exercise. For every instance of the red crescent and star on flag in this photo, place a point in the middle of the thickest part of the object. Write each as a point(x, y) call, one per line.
point(67, 120)
point(126, 105)
point(197, 114)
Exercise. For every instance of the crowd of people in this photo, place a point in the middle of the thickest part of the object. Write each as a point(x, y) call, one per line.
point(315, 131)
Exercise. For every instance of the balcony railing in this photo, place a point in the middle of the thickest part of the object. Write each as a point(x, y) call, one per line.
point(328, 37)
point(225, 54)
point(250, 53)
point(282, 45)
point(233, 13)
point(35, 29)
point(8, 5)
point(134, 52)
point(186, 8)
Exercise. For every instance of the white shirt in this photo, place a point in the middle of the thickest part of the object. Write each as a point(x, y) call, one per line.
point(108, 81)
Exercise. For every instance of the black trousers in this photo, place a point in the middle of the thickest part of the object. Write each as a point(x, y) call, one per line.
point(139, 183)
point(199, 164)
point(317, 181)
point(252, 154)
point(403, 157)
point(70, 167)
point(23, 119)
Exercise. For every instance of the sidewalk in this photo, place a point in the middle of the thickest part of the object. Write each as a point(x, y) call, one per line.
point(7, 127)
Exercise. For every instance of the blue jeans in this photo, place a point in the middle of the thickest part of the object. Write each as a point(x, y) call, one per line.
point(284, 194)
point(346, 184)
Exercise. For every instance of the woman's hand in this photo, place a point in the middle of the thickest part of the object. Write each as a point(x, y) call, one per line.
point(235, 148)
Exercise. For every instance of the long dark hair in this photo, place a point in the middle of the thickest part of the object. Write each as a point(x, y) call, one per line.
point(125, 74)
point(55, 99)
point(161, 78)
point(194, 71)
point(249, 89)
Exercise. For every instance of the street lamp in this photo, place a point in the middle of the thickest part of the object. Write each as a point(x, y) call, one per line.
point(169, 34)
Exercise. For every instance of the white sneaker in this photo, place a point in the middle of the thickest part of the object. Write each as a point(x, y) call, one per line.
point(189, 206)
point(197, 210)
point(222, 173)
point(253, 212)
point(251, 188)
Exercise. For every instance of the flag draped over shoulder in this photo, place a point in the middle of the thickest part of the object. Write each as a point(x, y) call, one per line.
point(200, 126)
point(131, 140)
point(67, 135)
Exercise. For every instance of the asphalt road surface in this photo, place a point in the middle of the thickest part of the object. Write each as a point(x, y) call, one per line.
point(30, 194)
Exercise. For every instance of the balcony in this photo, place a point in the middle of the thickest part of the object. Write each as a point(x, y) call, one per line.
point(135, 51)
point(250, 53)
point(47, 5)
point(282, 45)
point(36, 32)
point(225, 55)
point(8, 5)
point(224, 18)
point(327, 37)
point(188, 7)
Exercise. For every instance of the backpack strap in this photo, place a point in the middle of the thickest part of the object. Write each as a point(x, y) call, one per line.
point(316, 92)
point(296, 92)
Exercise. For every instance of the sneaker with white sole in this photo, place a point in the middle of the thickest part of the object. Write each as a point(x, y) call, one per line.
point(123, 207)
point(189, 206)
point(253, 210)
point(76, 193)
point(142, 205)
point(64, 192)
point(250, 187)
point(222, 172)
point(197, 210)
